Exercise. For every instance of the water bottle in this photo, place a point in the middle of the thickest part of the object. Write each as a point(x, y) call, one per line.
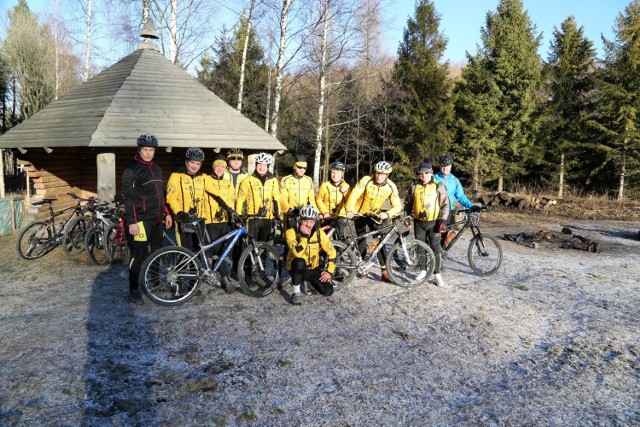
point(449, 237)
point(372, 246)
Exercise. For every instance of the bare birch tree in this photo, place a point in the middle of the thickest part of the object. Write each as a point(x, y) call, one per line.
point(87, 54)
point(247, 35)
point(279, 70)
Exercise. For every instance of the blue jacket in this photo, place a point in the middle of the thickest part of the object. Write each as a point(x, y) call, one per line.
point(454, 190)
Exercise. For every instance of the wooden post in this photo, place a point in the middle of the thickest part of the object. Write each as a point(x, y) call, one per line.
point(1, 173)
point(106, 163)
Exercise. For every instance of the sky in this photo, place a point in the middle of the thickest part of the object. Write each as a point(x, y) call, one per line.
point(461, 20)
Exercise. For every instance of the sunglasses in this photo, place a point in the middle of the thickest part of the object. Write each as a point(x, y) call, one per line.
point(302, 167)
point(235, 158)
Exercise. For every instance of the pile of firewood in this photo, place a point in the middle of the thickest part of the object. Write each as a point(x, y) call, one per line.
point(504, 198)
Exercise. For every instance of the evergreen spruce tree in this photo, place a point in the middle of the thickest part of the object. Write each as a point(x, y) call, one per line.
point(509, 52)
point(618, 121)
point(428, 104)
point(570, 87)
point(221, 74)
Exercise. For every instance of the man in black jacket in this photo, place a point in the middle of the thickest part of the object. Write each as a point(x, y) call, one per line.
point(145, 208)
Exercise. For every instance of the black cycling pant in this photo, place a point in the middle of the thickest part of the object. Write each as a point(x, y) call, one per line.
point(362, 224)
point(425, 231)
point(260, 229)
point(215, 231)
point(299, 273)
point(155, 233)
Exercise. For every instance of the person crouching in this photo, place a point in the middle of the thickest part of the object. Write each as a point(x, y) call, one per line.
point(306, 243)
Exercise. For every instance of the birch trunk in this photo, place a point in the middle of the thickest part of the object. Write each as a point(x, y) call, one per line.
point(623, 171)
point(87, 53)
point(267, 113)
point(321, 97)
point(245, 48)
point(286, 5)
point(57, 53)
point(561, 179)
point(173, 32)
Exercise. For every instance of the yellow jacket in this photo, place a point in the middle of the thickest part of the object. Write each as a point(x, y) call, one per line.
point(228, 176)
point(223, 189)
point(189, 192)
point(427, 201)
point(297, 191)
point(253, 194)
point(368, 198)
point(309, 248)
point(332, 198)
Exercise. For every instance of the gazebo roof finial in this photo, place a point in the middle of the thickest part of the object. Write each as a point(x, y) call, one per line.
point(148, 33)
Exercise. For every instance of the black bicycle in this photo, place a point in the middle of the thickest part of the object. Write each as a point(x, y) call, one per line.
point(484, 253)
point(41, 237)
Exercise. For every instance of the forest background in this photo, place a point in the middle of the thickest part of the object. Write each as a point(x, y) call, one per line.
point(314, 75)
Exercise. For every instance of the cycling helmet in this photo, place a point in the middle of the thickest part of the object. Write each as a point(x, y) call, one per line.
point(445, 160)
point(383, 167)
point(339, 166)
point(308, 212)
point(147, 140)
point(194, 154)
point(235, 152)
point(264, 158)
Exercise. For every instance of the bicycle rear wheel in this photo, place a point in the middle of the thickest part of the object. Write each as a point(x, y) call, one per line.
point(35, 240)
point(170, 275)
point(116, 245)
point(94, 245)
point(346, 263)
point(258, 269)
point(410, 264)
point(484, 255)
point(73, 237)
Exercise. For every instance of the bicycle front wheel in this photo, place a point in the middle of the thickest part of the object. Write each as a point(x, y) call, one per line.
point(35, 240)
point(410, 264)
point(73, 237)
point(116, 245)
point(94, 245)
point(258, 269)
point(484, 255)
point(170, 275)
point(346, 263)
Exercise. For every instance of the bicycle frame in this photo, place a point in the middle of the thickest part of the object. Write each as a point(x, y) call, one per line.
point(232, 238)
point(467, 222)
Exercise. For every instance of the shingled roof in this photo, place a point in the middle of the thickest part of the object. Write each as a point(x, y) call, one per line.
point(143, 92)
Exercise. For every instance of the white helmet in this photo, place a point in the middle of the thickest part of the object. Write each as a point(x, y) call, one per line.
point(264, 158)
point(308, 212)
point(383, 167)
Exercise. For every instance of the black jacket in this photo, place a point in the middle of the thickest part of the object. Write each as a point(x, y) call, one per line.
point(143, 192)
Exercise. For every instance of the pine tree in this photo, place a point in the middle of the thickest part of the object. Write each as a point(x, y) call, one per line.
point(509, 52)
point(570, 70)
point(618, 121)
point(428, 104)
point(221, 74)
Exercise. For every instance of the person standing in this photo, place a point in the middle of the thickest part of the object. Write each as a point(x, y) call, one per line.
point(296, 190)
point(306, 243)
point(368, 197)
point(332, 196)
point(259, 197)
point(145, 209)
point(455, 192)
point(234, 171)
point(427, 203)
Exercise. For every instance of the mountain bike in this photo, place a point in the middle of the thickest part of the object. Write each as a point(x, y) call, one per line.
point(76, 228)
point(41, 237)
point(409, 263)
point(484, 253)
point(116, 238)
point(94, 239)
point(171, 275)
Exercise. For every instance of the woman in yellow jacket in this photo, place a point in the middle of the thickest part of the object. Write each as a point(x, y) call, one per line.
point(306, 243)
point(333, 195)
point(368, 197)
point(428, 204)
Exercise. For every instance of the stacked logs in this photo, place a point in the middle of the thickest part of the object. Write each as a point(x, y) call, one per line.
point(504, 198)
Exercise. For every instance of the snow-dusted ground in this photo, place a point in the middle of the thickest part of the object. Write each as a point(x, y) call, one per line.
point(552, 339)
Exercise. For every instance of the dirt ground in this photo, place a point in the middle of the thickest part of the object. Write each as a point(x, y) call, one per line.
point(551, 339)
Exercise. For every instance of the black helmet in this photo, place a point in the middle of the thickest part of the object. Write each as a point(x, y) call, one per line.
point(339, 166)
point(147, 140)
point(445, 160)
point(235, 152)
point(194, 154)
